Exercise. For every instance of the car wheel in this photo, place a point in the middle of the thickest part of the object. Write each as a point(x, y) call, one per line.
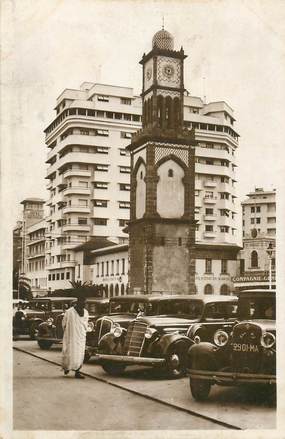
point(87, 357)
point(200, 389)
point(176, 361)
point(44, 344)
point(113, 368)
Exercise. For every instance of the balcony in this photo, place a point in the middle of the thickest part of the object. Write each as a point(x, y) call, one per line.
point(77, 173)
point(210, 200)
point(221, 154)
point(76, 208)
point(210, 183)
point(76, 227)
point(225, 221)
point(37, 255)
point(203, 168)
point(210, 218)
point(79, 190)
point(209, 235)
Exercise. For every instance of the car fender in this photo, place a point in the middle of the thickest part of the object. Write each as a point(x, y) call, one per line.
point(168, 340)
point(202, 356)
point(109, 344)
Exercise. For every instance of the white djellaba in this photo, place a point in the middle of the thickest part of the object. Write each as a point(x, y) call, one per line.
point(74, 339)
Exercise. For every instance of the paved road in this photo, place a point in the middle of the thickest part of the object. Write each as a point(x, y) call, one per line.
point(233, 406)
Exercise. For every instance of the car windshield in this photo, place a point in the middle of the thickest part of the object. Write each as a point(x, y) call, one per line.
point(189, 308)
point(39, 306)
point(97, 308)
point(257, 308)
point(220, 310)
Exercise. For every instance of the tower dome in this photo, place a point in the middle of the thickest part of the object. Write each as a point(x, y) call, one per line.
point(163, 40)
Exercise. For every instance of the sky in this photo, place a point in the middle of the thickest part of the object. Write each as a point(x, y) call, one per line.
point(50, 45)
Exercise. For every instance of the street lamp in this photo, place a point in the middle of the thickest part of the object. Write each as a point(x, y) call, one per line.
point(270, 253)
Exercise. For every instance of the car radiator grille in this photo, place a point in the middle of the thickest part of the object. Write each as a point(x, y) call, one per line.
point(135, 339)
point(246, 348)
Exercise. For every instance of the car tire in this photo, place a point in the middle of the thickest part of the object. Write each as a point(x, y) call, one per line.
point(113, 369)
point(200, 389)
point(45, 344)
point(176, 361)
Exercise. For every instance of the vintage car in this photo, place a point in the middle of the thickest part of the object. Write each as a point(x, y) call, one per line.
point(246, 355)
point(158, 334)
point(50, 331)
point(27, 320)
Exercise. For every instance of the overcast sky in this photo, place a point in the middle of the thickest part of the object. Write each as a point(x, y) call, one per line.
point(49, 45)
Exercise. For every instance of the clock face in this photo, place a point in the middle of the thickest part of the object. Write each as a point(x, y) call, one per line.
point(149, 74)
point(168, 71)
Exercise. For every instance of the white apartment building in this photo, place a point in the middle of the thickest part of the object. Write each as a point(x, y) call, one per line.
point(36, 270)
point(89, 171)
point(89, 168)
point(257, 258)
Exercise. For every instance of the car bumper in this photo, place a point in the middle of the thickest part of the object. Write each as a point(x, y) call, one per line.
point(125, 359)
point(231, 377)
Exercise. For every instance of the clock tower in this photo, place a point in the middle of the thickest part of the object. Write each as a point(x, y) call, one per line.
point(162, 219)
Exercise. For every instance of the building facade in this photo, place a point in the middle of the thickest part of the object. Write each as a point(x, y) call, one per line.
point(36, 263)
point(257, 258)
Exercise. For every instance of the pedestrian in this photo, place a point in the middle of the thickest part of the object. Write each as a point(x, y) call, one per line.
point(74, 323)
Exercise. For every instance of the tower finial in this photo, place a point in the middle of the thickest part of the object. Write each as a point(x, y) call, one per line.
point(163, 22)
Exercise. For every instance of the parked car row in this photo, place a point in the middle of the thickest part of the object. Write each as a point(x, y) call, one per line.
point(215, 339)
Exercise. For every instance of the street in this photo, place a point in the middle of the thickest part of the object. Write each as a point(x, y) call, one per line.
point(42, 400)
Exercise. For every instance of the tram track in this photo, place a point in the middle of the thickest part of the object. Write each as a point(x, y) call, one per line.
point(138, 393)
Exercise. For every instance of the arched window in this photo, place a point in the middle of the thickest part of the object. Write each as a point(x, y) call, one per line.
point(170, 172)
point(208, 289)
point(225, 289)
point(254, 259)
point(122, 289)
point(111, 290)
point(106, 290)
point(116, 290)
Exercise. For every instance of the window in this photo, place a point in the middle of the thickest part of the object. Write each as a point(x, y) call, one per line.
point(127, 116)
point(82, 111)
point(100, 113)
point(124, 152)
point(124, 204)
point(123, 222)
point(252, 209)
point(83, 203)
point(102, 268)
point(109, 115)
point(57, 276)
point(125, 187)
point(224, 229)
point(209, 194)
point(258, 209)
point(208, 289)
point(101, 203)
point(254, 259)
point(225, 212)
point(101, 185)
point(97, 269)
point(112, 268)
point(170, 172)
point(126, 101)
point(125, 169)
point(104, 133)
point(136, 118)
point(84, 132)
point(91, 113)
point(83, 183)
point(62, 276)
point(100, 221)
point(118, 267)
point(209, 161)
point(257, 220)
point(49, 277)
point(102, 149)
point(242, 266)
point(82, 221)
point(118, 116)
point(225, 290)
point(107, 268)
point(123, 266)
point(209, 228)
point(126, 135)
point(251, 220)
point(179, 242)
point(103, 98)
point(208, 265)
point(102, 168)
point(53, 277)
point(209, 211)
point(224, 266)
point(224, 195)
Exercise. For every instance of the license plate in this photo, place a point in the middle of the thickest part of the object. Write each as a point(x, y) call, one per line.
point(245, 347)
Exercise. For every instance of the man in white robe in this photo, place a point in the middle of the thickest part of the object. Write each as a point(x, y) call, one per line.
point(74, 323)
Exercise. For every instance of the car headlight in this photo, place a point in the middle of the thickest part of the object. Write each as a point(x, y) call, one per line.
point(117, 331)
point(197, 339)
point(221, 338)
point(90, 327)
point(149, 333)
point(50, 321)
point(267, 340)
